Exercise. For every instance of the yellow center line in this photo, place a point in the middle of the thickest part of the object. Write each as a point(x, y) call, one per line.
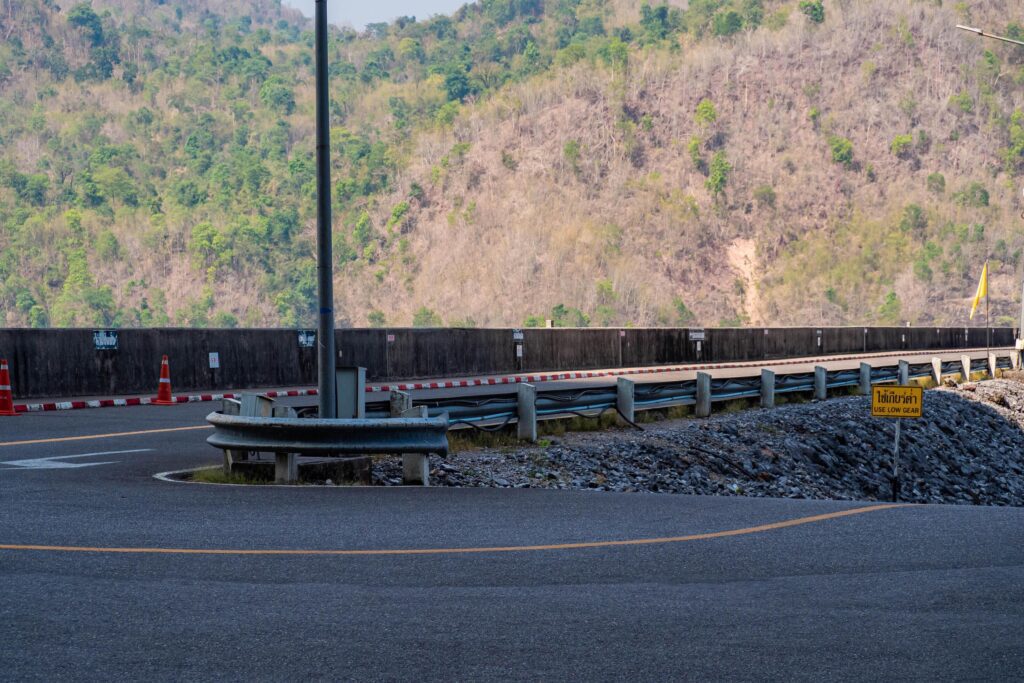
point(453, 551)
point(102, 436)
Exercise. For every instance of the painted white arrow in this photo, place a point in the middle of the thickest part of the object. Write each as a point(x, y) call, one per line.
point(54, 462)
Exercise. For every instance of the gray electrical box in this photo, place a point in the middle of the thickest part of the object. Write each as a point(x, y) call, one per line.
point(350, 390)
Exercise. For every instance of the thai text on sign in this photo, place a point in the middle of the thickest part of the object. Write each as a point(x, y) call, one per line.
point(896, 401)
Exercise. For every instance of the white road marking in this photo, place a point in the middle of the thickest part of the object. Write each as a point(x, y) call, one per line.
point(54, 462)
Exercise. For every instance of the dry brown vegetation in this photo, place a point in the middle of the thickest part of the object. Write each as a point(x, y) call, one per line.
point(497, 242)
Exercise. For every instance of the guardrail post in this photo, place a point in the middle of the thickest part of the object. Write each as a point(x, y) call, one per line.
point(286, 469)
point(1015, 360)
point(965, 367)
point(937, 370)
point(903, 374)
point(625, 391)
point(526, 409)
point(256, 405)
point(415, 466)
point(399, 402)
point(865, 379)
point(415, 469)
point(230, 406)
point(703, 407)
point(767, 389)
point(820, 383)
point(992, 365)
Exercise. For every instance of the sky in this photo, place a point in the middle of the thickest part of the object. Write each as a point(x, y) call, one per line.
point(358, 14)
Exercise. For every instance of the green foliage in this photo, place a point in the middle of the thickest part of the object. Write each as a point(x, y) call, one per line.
point(569, 317)
point(376, 318)
point(83, 17)
point(962, 102)
point(913, 219)
point(656, 22)
point(813, 9)
point(890, 310)
point(727, 23)
point(107, 247)
point(571, 153)
point(706, 113)
point(684, 316)
point(1013, 153)
point(425, 317)
point(694, 148)
point(973, 194)
point(718, 174)
point(277, 96)
point(936, 183)
point(901, 145)
point(842, 150)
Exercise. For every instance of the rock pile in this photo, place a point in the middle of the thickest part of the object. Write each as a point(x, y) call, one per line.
point(968, 448)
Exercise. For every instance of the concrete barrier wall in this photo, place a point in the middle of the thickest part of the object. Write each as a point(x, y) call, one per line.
point(65, 362)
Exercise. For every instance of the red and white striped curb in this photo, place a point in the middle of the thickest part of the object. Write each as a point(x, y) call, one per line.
point(478, 382)
point(586, 374)
point(146, 400)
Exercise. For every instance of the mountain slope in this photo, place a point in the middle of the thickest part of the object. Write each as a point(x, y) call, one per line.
point(593, 162)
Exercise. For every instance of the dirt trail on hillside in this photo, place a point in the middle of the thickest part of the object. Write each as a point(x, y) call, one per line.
point(742, 255)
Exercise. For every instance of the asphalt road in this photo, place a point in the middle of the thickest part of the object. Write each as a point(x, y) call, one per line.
point(915, 592)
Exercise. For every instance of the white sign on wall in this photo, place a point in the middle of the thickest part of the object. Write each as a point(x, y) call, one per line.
point(214, 360)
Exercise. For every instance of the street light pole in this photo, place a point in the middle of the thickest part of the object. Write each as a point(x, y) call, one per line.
point(324, 257)
point(989, 35)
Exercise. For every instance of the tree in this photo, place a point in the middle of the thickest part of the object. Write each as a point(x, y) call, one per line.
point(842, 150)
point(82, 16)
point(276, 95)
point(814, 9)
point(456, 83)
point(727, 23)
point(718, 174)
point(706, 113)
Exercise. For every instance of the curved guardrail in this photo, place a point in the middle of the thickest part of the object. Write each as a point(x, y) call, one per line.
point(350, 437)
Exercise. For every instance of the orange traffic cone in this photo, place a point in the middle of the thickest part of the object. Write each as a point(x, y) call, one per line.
point(163, 394)
point(6, 397)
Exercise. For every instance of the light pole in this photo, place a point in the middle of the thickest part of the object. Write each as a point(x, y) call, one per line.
point(324, 258)
point(989, 35)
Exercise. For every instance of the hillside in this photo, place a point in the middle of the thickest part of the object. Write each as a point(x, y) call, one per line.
point(596, 162)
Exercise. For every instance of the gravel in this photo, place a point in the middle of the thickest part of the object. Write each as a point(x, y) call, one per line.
point(968, 448)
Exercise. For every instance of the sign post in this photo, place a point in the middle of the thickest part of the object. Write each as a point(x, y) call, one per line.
point(896, 402)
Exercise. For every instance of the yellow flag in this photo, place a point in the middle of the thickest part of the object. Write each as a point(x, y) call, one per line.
point(982, 289)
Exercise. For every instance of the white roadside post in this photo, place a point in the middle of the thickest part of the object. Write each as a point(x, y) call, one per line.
point(526, 408)
point(625, 393)
point(865, 379)
point(904, 373)
point(937, 370)
point(703, 406)
point(820, 382)
point(965, 365)
point(767, 389)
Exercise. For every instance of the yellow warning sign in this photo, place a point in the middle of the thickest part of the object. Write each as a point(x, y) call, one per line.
point(896, 401)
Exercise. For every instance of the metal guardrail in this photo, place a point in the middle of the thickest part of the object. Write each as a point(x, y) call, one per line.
point(502, 409)
point(328, 437)
point(498, 410)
